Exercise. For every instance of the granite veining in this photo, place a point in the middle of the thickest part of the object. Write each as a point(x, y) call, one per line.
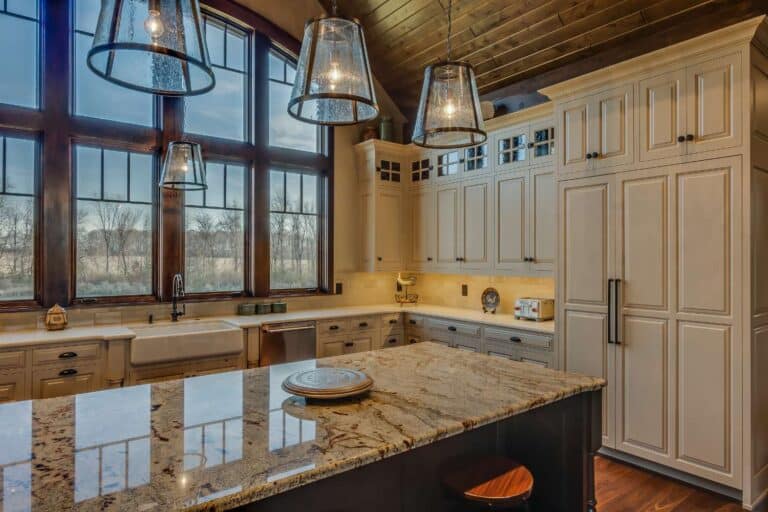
point(220, 441)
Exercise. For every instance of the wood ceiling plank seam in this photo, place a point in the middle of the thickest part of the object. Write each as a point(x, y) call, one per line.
point(532, 17)
point(578, 27)
point(408, 11)
point(709, 7)
point(384, 11)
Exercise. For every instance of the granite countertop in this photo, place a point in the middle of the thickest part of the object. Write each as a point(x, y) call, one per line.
point(138, 448)
point(117, 332)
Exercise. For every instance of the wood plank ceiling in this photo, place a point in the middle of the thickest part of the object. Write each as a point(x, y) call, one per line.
point(517, 46)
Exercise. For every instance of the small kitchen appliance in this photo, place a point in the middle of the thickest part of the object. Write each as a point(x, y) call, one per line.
point(530, 308)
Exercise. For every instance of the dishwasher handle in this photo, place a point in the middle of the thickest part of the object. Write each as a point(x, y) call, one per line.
point(278, 330)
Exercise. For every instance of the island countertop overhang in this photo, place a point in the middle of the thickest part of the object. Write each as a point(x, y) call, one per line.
point(422, 393)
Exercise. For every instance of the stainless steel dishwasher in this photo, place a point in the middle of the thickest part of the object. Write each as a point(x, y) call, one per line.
point(287, 342)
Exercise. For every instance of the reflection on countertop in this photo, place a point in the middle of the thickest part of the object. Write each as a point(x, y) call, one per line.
point(228, 439)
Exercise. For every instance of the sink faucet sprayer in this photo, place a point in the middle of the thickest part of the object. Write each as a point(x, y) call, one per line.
point(178, 293)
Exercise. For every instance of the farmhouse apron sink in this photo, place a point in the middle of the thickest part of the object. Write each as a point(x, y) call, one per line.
point(185, 340)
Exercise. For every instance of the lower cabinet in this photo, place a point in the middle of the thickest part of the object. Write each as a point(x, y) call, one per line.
point(62, 381)
point(184, 369)
point(347, 345)
point(13, 386)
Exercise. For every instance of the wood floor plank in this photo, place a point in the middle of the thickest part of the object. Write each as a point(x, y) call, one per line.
point(624, 488)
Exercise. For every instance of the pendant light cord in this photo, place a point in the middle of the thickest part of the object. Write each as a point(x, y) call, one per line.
point(448, 40)
point(334, 8)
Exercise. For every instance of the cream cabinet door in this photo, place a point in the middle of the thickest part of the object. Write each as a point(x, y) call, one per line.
point(662, 116)
point(389, 211)
point(13, 387)
point(573, 123)
point(542, 142)
point(447, 203)
point(585, 263)
point(421, 253)
point(511, 149)
point(511, 205)
point(713, 104)
point(645, 367)
point(541, 220)
point(476, 224)
point(53, 382)
point(612, 127)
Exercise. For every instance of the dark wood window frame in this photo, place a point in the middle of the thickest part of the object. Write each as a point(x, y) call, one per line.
point(57, 131)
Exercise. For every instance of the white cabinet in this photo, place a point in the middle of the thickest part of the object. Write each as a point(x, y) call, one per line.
point(597, 131)
point(524, 145)
point(690, 110)
point(423, 228)
point(476, 227)
point(525, 222)
point(447, 208)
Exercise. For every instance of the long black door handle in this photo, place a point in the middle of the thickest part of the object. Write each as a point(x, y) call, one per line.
point(617, 310)
point(610, 312)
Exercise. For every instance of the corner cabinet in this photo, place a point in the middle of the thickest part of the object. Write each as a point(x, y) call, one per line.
point(382, 167)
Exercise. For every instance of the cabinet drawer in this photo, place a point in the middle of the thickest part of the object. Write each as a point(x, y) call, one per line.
point(415, 322)
point(332, 327)
point(363, 323)
point(503, 349)
point(66, 354)
point(393, 340)
point(520, 338)
point(53, 382)
point(454, 328)
point(470, 343)
point(13, 387)
point(393, 322)
point(11, 360)
point(410, 339)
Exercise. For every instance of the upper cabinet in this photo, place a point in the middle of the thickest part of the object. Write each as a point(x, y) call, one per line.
point(524, 145)
point(597, 131)
point(691, 110)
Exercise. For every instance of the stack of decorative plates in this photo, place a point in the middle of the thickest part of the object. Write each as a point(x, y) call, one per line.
point(328, 383)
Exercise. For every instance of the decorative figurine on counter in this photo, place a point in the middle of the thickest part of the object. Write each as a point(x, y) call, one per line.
point(403, 283)
point(56, 318)
point(491, 300)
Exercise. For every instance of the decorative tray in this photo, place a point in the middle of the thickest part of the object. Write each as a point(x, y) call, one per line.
point(328, 383)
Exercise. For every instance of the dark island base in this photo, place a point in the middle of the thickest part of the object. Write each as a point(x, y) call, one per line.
point(556, 442)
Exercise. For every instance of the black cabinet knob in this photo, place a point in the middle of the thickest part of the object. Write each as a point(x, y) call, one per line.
point(589, 156)
point(595, 154)
point(681, 138)
point(363, 324)
point(380, 258)
point(429, 259)
point(412, 322)
point(67, 355)
point(530, 144)
point(334, 328)
point(452, 328)
point(392, 341)
point(349, 344)
point(68, 372)
point(515, 339)
point(392, 322)
point(689, 137)
point(412, 340)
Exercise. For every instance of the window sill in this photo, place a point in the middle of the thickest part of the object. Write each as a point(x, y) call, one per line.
point(284, 294)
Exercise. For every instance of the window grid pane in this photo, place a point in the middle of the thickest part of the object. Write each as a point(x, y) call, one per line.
point(115, 206)
point(294, 230)
point(214, 225)
point(18, 167)
point(285, 131)
point(19, 52)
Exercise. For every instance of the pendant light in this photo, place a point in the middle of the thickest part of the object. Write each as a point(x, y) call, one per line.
point(155, 46)
point(183, 168)
point(449, 114)
point(334, 85)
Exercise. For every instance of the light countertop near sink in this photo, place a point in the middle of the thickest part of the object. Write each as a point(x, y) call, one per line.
point(121, 332)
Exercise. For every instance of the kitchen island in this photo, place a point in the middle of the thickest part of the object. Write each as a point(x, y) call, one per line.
point(237, 439)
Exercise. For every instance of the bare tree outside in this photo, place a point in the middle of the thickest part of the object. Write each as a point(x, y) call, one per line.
point(16, 247)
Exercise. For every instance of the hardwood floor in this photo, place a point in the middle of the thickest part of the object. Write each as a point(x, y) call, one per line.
point(624, 488)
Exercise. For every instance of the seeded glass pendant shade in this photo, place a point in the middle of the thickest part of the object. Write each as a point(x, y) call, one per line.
point(183, 168)
point(155, 46)
point(449, 114)
point(333, 78)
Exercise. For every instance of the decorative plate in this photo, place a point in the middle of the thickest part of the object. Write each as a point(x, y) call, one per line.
point(491, 300)
point(328, 383)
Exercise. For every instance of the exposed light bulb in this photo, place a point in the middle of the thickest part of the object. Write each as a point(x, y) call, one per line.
point(449, 109)
point(154, 25)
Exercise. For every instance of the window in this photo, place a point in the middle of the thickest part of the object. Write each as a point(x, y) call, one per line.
point(94, 96)
point(285, 131)
point(294, 199)
point(222, 111)
point(18, 172)
point(448, 164)
point(19, 35)
point(214, 226)
point(115, 197)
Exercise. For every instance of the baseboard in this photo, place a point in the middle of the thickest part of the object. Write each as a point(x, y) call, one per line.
point(729, 492)
point(761, 503)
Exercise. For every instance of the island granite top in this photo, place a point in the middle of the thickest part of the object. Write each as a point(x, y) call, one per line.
point(224, 440)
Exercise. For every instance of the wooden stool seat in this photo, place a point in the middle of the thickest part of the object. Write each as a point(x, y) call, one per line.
point(493, 481)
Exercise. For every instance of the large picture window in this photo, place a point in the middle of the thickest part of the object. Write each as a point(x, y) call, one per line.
point(115, 199)
point(214, 226)
point(18, 171)
point(82, 216)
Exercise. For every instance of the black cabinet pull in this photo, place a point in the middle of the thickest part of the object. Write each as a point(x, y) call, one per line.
point(515, 339)
point(595, 154)
point(530, 144)
point(689, 137)
point(412, 340)
point(380, 258)
point(589, 156)
point(452, 328)
point(681, 138)
point(333, 328)
point(611, 340)
point(429, 259)
point(67, 355)
point(363, 324)
point(67, 372)
point(392, 322)
point(392, 341)
point(412, 321)
point(349, 344)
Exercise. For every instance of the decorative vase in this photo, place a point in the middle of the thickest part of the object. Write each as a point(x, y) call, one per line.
point(56, 318)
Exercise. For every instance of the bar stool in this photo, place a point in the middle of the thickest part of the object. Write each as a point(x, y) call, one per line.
point(489, 482)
